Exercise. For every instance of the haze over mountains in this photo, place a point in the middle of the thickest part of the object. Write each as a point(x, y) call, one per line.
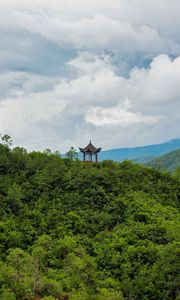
point(140, 154)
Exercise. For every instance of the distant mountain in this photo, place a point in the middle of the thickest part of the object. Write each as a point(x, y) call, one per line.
point(140, 154)
point(169, 161)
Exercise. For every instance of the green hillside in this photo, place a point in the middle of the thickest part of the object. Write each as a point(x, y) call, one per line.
point(92, 231)
point(169, 161)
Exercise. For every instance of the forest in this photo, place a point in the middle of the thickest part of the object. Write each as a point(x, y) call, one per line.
point(72, 230)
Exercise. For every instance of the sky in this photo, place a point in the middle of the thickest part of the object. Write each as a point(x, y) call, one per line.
point(78, 70)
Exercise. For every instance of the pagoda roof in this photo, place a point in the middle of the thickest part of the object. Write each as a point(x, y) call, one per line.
point(90, 149)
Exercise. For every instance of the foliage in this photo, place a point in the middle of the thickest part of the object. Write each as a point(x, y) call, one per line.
point(72, 154)
point(72, 230)
point(6, 140)
point(166, 162)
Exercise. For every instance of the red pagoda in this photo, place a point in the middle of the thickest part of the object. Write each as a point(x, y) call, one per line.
point(90, 150)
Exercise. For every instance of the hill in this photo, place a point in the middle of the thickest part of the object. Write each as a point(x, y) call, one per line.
point(140, 154)
point(93, 231)
point(169, 161)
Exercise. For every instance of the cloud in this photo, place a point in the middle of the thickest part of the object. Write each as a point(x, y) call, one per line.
point(126, 27)
point(97, 103)
point(157, 85)
point(117, 116)
point(23, 82)
point(41, 36)
point(22, 51)
point(90, 64)
point(74, 70)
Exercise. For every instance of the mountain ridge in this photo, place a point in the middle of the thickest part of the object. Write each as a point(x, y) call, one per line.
point(138, 153)
point(169, 161)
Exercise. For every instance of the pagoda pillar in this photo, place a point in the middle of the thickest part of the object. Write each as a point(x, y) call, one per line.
point(84, 156)
point(96, 157)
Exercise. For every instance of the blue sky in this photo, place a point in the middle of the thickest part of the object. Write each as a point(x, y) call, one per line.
point(75, 70)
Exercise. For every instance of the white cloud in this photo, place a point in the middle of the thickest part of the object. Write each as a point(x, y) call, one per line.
point(158, 85)
point(10, 82)
point(98, 102)
point(90, 64)
point(128, 27)
point(62, 66)
point(117, 116)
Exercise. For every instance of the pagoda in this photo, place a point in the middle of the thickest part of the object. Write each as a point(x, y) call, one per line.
point(90, 150)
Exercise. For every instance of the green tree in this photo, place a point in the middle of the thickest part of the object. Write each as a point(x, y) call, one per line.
point(72, 154)
point(14, 198)
point(7, 294)
point(6, 140)
point(16, 275)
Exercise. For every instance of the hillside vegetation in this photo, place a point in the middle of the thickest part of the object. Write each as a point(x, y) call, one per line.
point(71, 230)
point(169, 161)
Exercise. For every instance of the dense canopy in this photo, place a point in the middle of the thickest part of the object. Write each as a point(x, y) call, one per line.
point(71, 230)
